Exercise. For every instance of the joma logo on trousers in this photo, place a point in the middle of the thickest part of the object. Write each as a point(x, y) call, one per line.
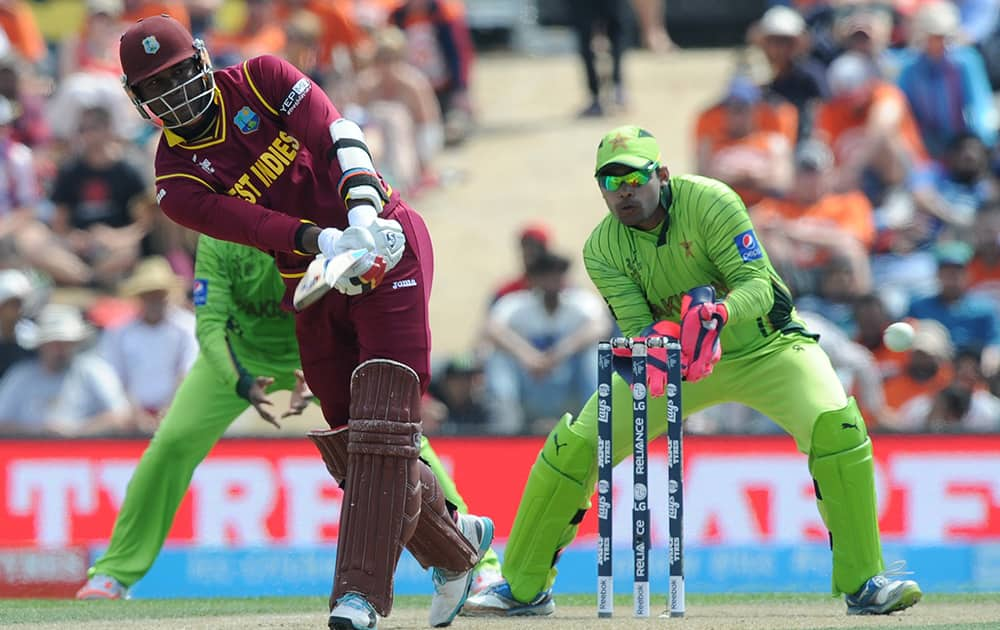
point(399, 284)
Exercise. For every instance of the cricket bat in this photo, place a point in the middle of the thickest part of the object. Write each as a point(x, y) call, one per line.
point(321, 275)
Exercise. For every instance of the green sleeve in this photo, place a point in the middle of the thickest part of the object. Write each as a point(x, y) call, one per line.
point(624, 296)
point(750, 288)
point(213, 310)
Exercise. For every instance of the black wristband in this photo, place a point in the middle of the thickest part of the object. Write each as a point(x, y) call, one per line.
point(300, 235)
point(244, 384)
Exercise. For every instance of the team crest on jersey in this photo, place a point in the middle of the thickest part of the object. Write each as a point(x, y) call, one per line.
point(151, 45)
point(199, 292)
point(748, 246)
point(246, 120)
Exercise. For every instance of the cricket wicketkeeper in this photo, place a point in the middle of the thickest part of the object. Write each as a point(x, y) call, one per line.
point(681, 251)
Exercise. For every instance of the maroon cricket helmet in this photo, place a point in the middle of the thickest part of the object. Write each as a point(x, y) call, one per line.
point(152, 45)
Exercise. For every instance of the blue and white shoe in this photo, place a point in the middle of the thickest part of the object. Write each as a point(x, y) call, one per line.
point(451, 590)
point(884, 593)
point(353, 612)
point(498, 601)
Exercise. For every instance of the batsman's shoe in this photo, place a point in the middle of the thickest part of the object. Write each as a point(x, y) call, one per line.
point(498, 601)
point(884, 593)
point(452, 589)
point(353, 612)
point(102, 587)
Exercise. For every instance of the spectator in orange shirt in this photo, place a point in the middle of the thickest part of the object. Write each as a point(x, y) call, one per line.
point(747, 142)
point(17, 21)
point(95, 47)
point(869, 125)
point(871, 318)
point(340, 36)
point(439, 44)
point(812, 222)
point(260, 34)
point(927, 371)
point(135, 10)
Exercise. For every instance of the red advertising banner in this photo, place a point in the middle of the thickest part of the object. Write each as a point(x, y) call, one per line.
point(34, 572)
point(932, 489)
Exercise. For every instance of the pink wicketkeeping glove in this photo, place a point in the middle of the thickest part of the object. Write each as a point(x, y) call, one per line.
point(702, 319)
point(656, 358)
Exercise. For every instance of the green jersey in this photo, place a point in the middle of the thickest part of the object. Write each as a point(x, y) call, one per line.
point(706, 238)
point(237, 297)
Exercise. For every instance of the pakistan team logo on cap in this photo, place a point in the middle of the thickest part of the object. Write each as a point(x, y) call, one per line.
point(151, 45)
point(247, 120)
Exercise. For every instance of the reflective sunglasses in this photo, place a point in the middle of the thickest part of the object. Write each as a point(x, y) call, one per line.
point(638, 177)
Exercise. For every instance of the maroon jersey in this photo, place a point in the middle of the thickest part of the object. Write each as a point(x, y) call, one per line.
point(266, 165)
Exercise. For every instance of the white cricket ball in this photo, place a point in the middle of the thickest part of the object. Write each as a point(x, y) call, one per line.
point(898, 337)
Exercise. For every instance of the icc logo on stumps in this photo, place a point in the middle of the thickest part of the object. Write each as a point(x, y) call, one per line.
point(640, 492)
point(151, 45)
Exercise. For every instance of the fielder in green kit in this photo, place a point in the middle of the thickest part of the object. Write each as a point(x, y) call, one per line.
point(244, 337)
point(667, 243)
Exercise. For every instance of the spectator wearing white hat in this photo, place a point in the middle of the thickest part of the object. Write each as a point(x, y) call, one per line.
point(781, 36)
point(62, 391)
point(16, 333)
point(945, 83)
point(153, 352)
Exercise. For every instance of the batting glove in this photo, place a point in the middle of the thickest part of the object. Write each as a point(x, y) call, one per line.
point(383, 239)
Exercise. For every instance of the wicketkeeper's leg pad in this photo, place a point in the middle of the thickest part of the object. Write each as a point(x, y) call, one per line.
point(382, 492)
point(840, 461)
point(554, 501)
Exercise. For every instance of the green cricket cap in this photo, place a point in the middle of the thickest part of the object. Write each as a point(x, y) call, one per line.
point(629, 145)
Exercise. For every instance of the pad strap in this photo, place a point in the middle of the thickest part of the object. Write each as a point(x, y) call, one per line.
point(438, 542)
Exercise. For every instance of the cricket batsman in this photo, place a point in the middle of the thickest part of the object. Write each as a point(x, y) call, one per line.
point(247, 349)
point(255, 153)
point(680, 253)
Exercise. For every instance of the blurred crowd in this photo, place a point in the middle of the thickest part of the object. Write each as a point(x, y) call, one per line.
point(96, 314)
point(862, 136)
